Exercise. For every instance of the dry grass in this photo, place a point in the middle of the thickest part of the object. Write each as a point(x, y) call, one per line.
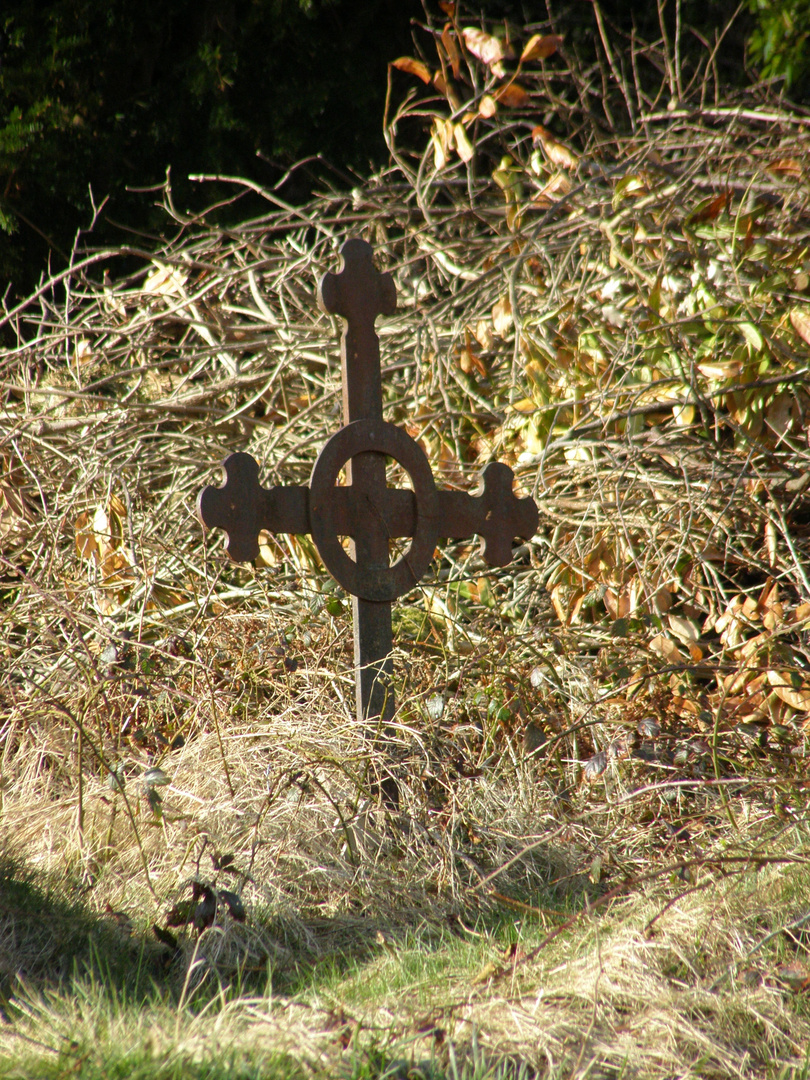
point(605, 742)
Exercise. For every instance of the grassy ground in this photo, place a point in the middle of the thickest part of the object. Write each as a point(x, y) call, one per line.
point(598, 866)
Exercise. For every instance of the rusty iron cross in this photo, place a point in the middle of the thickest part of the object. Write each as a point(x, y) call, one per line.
point(366, 510)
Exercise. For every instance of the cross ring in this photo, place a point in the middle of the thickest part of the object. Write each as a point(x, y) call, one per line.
point(378, 583)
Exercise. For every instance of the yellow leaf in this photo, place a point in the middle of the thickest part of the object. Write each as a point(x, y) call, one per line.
point(83, 353)
point(483, 335)
point(101, 530)
point(502, 316)
point(683, 415)
point(683, 629)
point(800, 321)
point(720, 370)
point(463, 144)
point(574, 455)
point(506, 176)
point(487, 107)
point(165, 280)
point(556, 152)
point(753, 336)
point(269, 551)
point(489, 970)
point(482, 45)
point(441, 135)
point(557, 188)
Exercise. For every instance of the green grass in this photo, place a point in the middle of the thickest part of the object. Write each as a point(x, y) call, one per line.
point(427, 1004)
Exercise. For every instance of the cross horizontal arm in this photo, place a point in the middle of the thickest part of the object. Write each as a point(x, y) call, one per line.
point(496, 514)
point(457, 516)
point(243, 508)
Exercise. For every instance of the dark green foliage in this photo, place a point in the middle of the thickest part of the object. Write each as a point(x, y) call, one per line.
point(779, 45)
point(106, 94)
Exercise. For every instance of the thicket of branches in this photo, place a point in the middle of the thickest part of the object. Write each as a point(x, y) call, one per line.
point(99, 98)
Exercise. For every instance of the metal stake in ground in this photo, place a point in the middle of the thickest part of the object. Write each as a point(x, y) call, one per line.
point(366, 510)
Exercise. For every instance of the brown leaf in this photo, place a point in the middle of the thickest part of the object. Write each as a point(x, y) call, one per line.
point(234, 904)
point(787, 167)
point(666, 648)
point(557, 188)
point(468, 358)
point(513, 95)
point(779, 414)
point(483, 46)
point(13, 510)
point(451, 48)
point(86, 545)
point(595, 766)
point(448, 88)
point(556, 152)
point(711, 209)
point(181, 913)
point(413, 67)
point(785, 688)
point(796, 976)
point(540, 46)
point(165, 937)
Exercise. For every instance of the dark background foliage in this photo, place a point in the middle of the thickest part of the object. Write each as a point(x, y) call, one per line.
point(105, 95)
point(108, 93)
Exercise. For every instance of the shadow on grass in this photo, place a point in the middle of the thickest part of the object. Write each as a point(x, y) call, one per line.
point(53, 947)
point(47, 940)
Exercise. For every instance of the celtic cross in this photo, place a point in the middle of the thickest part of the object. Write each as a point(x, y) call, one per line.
point(365, 509)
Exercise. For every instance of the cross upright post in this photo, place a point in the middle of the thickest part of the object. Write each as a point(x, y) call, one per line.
point(359, 294)
point(365, 509)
